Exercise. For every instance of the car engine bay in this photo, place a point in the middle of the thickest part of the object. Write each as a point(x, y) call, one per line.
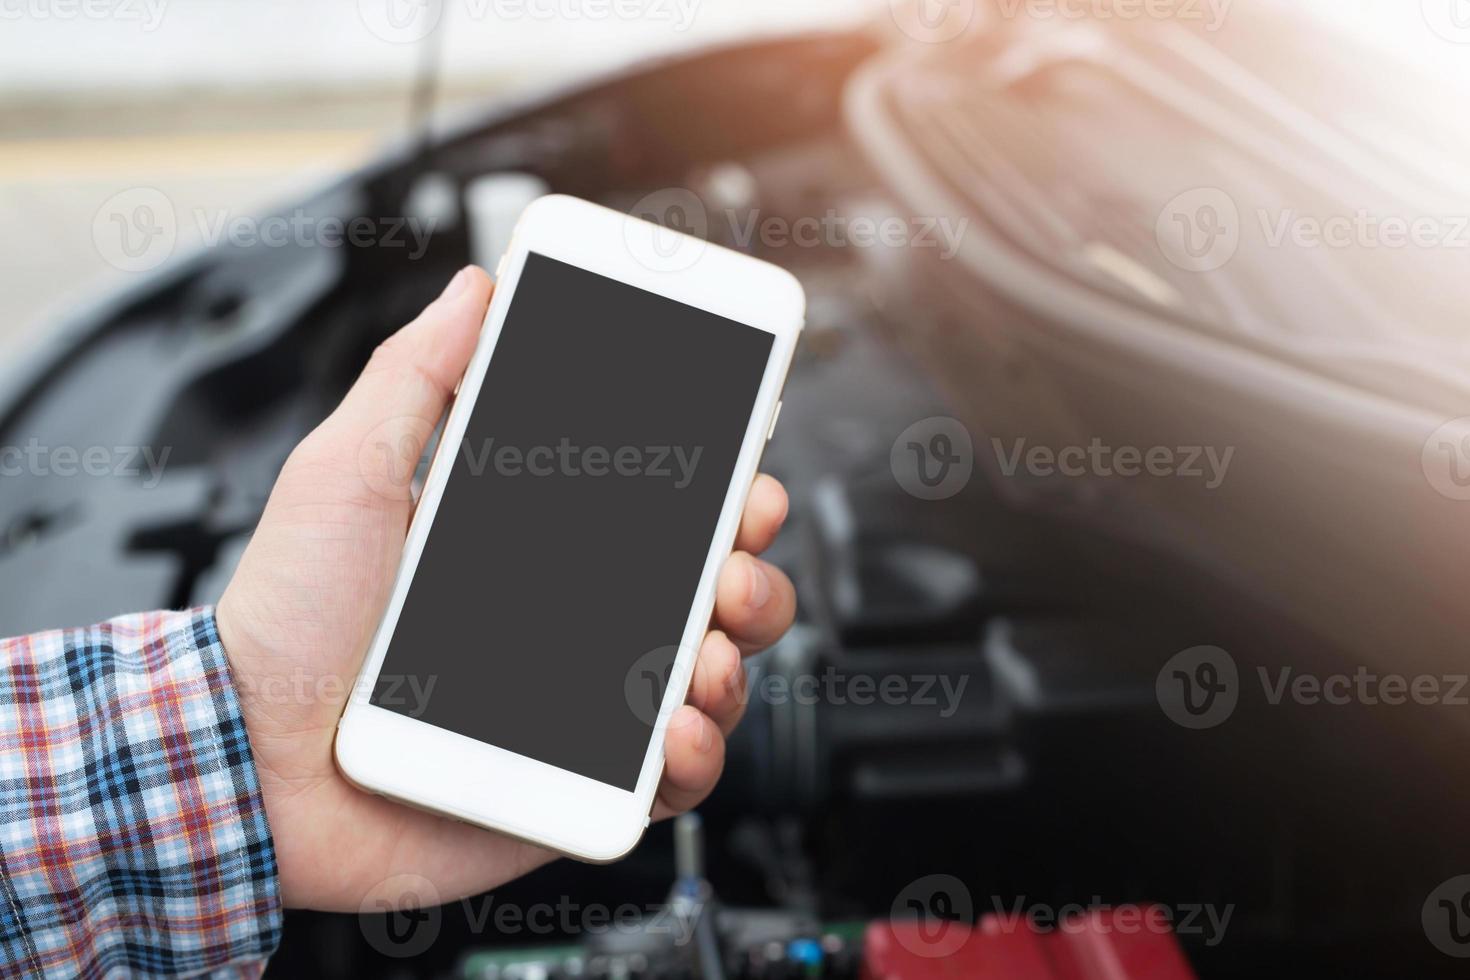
point(1026, 621)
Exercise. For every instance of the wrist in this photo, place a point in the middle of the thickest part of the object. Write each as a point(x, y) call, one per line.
point(291, 741)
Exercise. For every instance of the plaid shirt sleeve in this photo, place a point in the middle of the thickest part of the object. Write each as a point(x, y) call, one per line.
point(133, 839)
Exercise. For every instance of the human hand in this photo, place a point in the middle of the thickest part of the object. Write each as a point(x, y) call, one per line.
point(313, 583)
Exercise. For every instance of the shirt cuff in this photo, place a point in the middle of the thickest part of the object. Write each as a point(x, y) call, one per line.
point(133, 837)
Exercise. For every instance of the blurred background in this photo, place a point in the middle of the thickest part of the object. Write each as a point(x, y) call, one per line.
point(219, 103)
point(1128, 443)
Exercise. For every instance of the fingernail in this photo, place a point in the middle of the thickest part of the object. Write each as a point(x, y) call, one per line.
point(760, 585)
point(706, 734)
point(457, 284)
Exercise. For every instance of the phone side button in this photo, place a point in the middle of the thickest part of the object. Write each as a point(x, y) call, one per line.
point(774, 419)
point(500, 266)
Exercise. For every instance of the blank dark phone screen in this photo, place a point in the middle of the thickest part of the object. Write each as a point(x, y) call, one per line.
point(562, 564)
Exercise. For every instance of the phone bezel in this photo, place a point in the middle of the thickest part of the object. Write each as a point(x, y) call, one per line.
point(400, 757)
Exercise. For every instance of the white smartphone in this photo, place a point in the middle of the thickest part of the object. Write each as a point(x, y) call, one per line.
point(560, 568)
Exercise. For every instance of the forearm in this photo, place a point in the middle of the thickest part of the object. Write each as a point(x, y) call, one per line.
point(132, 833)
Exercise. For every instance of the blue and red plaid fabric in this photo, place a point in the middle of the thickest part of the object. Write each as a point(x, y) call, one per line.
point(133, 839)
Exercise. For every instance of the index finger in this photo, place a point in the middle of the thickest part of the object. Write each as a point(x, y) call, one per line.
point(765, 512)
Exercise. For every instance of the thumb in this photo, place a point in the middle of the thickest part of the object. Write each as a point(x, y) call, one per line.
point(391, 411)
